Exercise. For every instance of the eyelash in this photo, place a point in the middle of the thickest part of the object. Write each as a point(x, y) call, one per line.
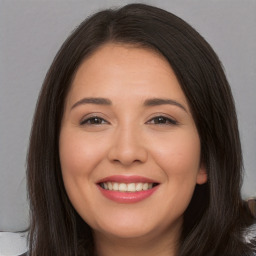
point(167, 120)
point(89, 120)
point(161, 120)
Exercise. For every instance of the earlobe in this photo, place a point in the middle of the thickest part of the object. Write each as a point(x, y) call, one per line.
point(202, 175)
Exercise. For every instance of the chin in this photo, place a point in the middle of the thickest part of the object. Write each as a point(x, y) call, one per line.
point(124, 227)
point(125, 232)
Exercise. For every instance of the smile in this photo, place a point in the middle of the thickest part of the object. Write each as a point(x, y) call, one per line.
point(130, 187)
point(127, 189)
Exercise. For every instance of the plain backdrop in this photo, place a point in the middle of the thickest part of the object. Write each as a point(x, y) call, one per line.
point(31, 32)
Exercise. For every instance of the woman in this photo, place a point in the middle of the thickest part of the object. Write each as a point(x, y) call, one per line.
point(135, 147)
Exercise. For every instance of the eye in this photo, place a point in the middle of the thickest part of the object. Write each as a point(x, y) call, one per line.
point(162, 120)
point(95, 120)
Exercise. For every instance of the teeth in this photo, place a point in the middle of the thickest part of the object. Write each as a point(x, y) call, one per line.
point(139, 187)
point(109, 185)
point(115, 186)
point(145, 186)
point(129, 187)
point(122, 187)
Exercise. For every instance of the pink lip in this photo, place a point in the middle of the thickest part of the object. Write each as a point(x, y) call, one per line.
point(127, 197)
point(127, 179)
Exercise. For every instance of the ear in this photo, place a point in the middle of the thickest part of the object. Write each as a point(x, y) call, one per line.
point(201, 175)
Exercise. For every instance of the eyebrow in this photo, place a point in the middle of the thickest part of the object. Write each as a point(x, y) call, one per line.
point(158, 101)
point(97, 101)
point(147, 103)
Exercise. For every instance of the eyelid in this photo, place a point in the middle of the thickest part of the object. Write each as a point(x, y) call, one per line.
point(91, 116)
point(171, 120)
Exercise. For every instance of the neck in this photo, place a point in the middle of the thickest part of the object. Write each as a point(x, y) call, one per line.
point(165, 244)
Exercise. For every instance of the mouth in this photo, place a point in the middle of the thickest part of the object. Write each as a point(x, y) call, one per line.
point(128, 187)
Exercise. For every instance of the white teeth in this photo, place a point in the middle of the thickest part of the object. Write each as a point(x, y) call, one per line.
point(131, 187)
point(109, 184)
point(123, 187)
point(115, 186)
point(139, 186)
point(145, 186)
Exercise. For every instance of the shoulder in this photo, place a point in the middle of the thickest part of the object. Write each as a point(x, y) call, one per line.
point(249, 235)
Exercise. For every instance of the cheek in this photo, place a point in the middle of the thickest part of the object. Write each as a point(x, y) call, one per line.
point(179, 154)
point(180, 161)
point(79, 155)
point(179, 158)
point(78, 161)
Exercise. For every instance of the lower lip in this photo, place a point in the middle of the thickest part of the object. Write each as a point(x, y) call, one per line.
point(127, 197)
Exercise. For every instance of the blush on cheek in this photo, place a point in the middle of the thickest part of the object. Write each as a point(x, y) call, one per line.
point(79, 156)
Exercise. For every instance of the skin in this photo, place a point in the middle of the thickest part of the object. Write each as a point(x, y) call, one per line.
point(129, 140)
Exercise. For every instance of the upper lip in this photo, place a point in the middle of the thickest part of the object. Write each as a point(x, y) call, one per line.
point(127, 179)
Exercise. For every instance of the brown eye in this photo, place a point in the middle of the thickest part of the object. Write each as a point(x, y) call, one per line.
point(93, 121)
point(162, 120)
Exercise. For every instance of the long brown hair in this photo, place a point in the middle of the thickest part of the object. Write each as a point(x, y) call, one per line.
point(216, 215)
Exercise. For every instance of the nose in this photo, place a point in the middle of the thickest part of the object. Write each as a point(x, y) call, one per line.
point(127, 147)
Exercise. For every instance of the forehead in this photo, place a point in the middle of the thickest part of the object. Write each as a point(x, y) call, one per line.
point(125, 70)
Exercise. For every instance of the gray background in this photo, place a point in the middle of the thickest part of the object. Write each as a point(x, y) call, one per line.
point(31, 32)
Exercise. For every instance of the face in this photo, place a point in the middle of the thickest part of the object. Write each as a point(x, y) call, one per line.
point(129, 148)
